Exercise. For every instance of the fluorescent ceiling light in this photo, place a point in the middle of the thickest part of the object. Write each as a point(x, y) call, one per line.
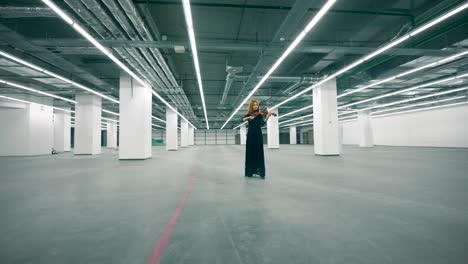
point(306, 124)
point(440, 19)
point(106, 52)
point(296, 111)
point(36, 91)
point(297, 123)
point(42, 70)
point(110, 112)
point(109, 119)
point(157, 126)
point(401, 101)
point(291, 47)
point(422, 109)
point(402, 91)
point(31, 102)
point(241, 124)
point(380, 50)
point(293, 119)
point(414, 99)
point(159, 119)
point(193, 45)
point(430, 65)
point(419, 104)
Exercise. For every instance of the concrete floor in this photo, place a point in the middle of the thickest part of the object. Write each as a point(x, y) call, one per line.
point(380, 205)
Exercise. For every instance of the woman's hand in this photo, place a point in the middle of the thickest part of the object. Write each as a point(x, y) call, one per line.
point(269, 113)
point(250, 118)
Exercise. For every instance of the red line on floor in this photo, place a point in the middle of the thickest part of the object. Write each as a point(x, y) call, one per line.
point(158, 251)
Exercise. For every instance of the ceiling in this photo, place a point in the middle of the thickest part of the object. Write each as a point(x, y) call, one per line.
point(249, 34)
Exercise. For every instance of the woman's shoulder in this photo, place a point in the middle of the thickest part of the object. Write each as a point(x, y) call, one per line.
point(247, 115)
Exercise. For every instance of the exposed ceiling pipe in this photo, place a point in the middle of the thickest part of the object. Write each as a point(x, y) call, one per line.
point(293, 87)
point(135, 18)
point(288, 79)
point(108, 29)
point(231, 73)
point(20, 11)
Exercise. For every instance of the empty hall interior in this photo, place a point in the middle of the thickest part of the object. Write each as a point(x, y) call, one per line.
point(233, 131)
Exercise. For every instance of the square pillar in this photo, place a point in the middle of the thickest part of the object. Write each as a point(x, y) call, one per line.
point(62, 131)
point(171, 130)
point(301, 136)
point(243, 134)
point(134, 120)
point(111, 134)
point(87, 124)
point(26, 128)
point(292, 135)
point(273, 131)
point(366, 139)
point(191, 136)
point(184, 133)
point(326, 138)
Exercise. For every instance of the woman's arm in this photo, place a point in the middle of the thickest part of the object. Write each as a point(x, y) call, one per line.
point(268, 117)
point(247, 118)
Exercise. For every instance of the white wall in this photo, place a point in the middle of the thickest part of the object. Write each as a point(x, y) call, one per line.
point(215, 137)
point(445, 127)
point(26, 131)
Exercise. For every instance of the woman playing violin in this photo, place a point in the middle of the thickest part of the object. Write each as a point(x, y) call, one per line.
point(254, 157)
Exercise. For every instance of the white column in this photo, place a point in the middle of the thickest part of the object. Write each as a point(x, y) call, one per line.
point(135, 119)
point(301, 136)
point(292, 135)
point(171, 130)
point(243, 134)
point(273, 131)
point(62, 131)
point(87, 124)
point(326, 139)
point(191, 136)
point(365, 129)
point(184, 133)
point(26, 129)
point(111, 134)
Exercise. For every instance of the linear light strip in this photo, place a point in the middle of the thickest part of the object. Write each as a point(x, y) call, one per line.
point(106, 52)
point(419, 104)
point(422, 109)
point(291, 47)
point(306, 124)
point(379, 51)
point(159, 119)
point(430, 65)
point(193, 45)
point(46, 94)
point(415, 99)
point(241, 125)
point(296, 111)
point(42, 70)
point(406, 101)
point(31, 102)
point(36, 91)
point(293, 124)
point(293, 119)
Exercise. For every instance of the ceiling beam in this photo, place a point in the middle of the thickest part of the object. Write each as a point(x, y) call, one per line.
point(74, 45)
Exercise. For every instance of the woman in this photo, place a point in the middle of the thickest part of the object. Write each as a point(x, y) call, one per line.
point(254, 158)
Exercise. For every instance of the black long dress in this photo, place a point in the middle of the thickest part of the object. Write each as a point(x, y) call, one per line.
point(254, 157)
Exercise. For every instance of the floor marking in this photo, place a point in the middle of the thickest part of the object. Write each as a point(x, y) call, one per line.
point(158, 251)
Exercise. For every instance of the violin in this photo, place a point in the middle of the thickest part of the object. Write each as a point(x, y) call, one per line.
point(264, 112)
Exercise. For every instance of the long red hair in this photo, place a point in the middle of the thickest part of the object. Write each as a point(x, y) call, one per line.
point(250, 109)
